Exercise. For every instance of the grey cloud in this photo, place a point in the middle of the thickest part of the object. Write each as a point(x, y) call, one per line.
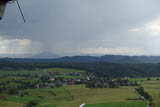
point(67, 26)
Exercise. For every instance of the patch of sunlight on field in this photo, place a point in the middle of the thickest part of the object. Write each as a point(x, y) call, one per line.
point(153, 87)
point(92, 96)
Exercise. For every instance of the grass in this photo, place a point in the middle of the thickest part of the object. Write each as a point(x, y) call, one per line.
point(153, 88)
point(62, 70)
point(10, 104)
point(93, 96)
point(25, 99)
point(120, 104)
point(142, 79)
point(73, 96)
point(69, 76)
point(46, 97)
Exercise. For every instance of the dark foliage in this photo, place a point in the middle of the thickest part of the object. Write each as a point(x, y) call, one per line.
point(12, 91)
point(145, 94)
point(31, 104)
point(98, 68)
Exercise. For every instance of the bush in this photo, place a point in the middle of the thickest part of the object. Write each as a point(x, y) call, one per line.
point(22, 94)
point(26, 93)
point(148, 78)
point(1, 90)
point(145, 94)
point(12, 91)
point(31, 104)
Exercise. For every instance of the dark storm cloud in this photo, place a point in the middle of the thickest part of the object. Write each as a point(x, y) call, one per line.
point(69, 26)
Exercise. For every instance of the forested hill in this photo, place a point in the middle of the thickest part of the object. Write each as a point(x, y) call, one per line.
point(98, 68)
point(106, 58)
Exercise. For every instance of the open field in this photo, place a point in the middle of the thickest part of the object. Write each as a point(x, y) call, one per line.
point(62, 70)
point(153, 87)
point(93, 96)
point(44, 98)
point(73, 96)
point(120, 104)
point(142, 79)
point(69, 76)
point(11, 104)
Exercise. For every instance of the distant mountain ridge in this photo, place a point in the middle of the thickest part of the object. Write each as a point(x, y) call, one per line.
point(121, 59)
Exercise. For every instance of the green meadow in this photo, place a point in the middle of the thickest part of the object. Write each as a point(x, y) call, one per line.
point(142, 79)
point(153, 88)
point(43, 96)
point(94, 96)
point(11, 104)
point(120, 104)
point(73, 96)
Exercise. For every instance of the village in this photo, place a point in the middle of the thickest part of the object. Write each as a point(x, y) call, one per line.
point(60, 79)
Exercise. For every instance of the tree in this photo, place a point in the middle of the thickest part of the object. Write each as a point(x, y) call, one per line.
point(1, 90)
point(44, 78)
point(22, 94)
point(148, 78)
point(12, 91)
point(31, 104)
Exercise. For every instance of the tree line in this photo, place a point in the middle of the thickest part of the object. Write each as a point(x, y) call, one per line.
point(100, 69)
point(145, 94)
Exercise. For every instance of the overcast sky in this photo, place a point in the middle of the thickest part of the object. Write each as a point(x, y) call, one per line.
point(70, 27)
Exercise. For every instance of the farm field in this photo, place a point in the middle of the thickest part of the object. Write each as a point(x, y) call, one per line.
point(73, 96)
point(94, 96)
point(142, 79)
point(153, 88)
point(44, 97)
point(120, 104)
point(11, 104)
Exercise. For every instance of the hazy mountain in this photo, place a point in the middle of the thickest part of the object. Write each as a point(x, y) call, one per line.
point(15, 55)
point(77, 59)
point(45, 55)
point(49, 57)
point(105, 58)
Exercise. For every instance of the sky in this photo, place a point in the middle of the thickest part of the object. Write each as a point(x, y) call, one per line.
point(73, 27)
